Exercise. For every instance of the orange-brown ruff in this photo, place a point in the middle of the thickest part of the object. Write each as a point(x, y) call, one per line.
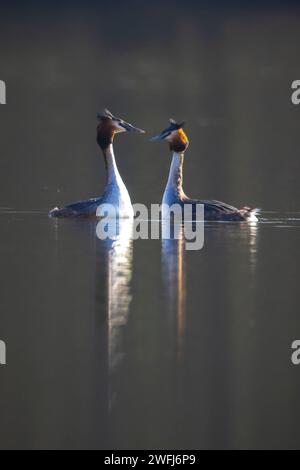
point(174, 193)
point(179, 141)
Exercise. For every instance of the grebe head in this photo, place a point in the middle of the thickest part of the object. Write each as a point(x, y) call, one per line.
point(109, 125)
point(175, 135)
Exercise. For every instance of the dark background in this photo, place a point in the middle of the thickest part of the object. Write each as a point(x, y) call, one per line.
point(143, 345)
point(226, 69)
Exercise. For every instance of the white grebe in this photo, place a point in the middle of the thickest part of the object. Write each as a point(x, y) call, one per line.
point(174, 193)
point(115, 192)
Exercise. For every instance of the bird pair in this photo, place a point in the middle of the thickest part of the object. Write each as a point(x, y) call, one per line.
point(116, 194)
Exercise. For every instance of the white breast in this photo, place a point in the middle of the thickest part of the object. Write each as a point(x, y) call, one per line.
point(117, 196)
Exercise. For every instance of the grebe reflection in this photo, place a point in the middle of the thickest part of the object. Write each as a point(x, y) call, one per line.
point(174, 278)
point(174, 270)
point(119, 273)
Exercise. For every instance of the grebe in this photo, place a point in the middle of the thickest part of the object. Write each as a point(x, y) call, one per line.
point(174, 193)
point(115, 192)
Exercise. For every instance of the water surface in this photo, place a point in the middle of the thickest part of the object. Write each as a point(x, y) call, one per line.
point(141, 344)
point(145, 345)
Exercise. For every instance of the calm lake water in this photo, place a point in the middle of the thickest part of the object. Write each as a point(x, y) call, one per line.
point(141, 344)
point(146, 345)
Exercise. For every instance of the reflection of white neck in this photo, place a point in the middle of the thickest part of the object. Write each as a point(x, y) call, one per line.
point(119, 288)
point(173, 254)
point(175, 180)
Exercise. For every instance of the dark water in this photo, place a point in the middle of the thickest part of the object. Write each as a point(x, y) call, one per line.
point(144, 344)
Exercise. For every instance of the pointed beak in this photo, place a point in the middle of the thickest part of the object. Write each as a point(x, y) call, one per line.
point(129, 128)
point(161, 136)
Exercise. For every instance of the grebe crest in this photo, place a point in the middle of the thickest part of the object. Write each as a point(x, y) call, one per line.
point(109, 125)
point(175, 135)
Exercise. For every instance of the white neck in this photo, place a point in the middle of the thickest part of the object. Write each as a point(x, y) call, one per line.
point(112, 172)
point(175, 179)
point(115, 192)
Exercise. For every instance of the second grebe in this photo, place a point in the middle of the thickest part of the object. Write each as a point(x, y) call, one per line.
point(115, 192)
point(174, 193)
